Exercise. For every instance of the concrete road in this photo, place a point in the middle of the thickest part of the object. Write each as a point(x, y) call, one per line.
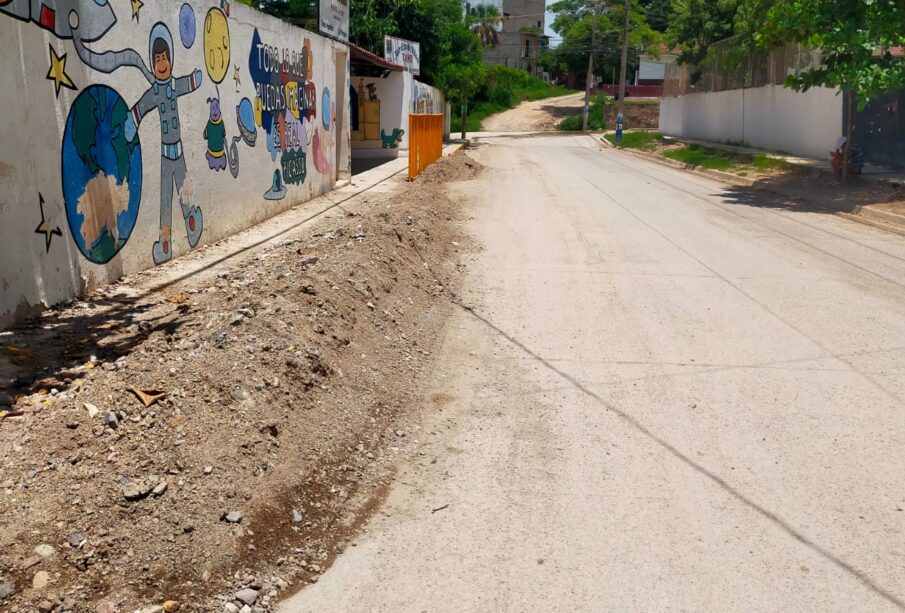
point(666, 397)
point(536, 116)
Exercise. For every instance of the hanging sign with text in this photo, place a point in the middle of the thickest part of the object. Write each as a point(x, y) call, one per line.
point(403, 53)
point(334, 19)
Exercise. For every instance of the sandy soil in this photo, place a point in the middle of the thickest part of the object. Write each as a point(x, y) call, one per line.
point(540, 115)
point(286, 378)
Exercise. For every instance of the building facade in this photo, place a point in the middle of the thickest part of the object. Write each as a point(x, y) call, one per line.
point(522, 34)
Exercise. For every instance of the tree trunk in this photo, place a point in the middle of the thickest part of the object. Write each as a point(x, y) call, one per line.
point(850, 128)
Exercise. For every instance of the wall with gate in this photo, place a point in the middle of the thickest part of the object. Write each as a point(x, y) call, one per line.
point(133, 132)
point(771, 117)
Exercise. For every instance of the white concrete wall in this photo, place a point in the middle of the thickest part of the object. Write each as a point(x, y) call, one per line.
point(399, 94)
point(65, 153)
point(771, 117)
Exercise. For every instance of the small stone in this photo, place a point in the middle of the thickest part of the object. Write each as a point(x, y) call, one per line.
point(32, 561)
point(245, 609)
point(241, 395)
point(237, 319)
point(76, 539)
point(248, 596)
point(92, 410)
point(230, 608)
point(159, 489)
point(208, 470)
point(105, 606)
point(45, 551)
point(170, 606)
point(6, 401)
point(45, 606)
point(296, 517)
point(233, 517)
point(371, 306)
point(72, 425)
point(138, 489)
point(111, 420)
point(40, 580)
point(6, 588)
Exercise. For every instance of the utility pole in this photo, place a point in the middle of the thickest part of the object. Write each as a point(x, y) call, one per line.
point(590, 77)
point(620, 118)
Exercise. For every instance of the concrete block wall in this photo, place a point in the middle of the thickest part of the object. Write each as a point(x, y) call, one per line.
point(134, 132)
point(771, 117)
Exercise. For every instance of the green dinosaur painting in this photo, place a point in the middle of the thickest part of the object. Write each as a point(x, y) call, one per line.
point(392, 141)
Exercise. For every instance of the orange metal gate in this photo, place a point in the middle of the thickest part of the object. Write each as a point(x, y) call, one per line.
point(425, 142)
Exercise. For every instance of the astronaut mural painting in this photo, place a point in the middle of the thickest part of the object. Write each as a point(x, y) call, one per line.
point(105, 148)
point(162, 96)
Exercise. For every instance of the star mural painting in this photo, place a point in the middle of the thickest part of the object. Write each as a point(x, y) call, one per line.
point(57, 72)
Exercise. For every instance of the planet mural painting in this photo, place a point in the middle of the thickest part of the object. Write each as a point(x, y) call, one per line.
point(187, 26)
point(102, 173)
point(216, 44)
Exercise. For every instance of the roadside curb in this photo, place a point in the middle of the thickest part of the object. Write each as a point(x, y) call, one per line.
point(882, 220)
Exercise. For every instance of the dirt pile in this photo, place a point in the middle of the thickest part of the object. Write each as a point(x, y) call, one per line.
point(204, 447)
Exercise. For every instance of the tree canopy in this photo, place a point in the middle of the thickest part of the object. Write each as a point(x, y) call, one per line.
point(578, 21)
point(856, 39)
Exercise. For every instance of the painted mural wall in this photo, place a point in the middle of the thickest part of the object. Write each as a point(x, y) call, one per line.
point(136, 131)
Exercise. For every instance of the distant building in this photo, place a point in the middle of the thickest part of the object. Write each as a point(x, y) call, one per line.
point(522, 33)
point(652, 70)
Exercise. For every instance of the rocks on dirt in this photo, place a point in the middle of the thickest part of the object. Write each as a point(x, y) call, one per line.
point(233, 517)
point(247, 596)
point(105, 606)
point(301, 362)
point(76, 540)
point(40, 580)
point(44, 550)
point(6, 588)
point(140, 488)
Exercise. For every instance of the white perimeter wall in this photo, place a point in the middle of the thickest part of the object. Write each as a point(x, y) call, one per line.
point(771, 117)
point(33, 136)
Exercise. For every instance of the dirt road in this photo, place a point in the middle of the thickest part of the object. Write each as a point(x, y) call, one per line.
point(539, 116)
point(659, 394)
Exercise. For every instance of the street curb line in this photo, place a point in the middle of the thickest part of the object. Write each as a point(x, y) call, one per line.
point(889, 222)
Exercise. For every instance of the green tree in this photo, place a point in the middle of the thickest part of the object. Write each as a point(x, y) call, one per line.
point(461, 70)
point(484, 20)
point(424, 21)
point(695, 25)
point(597, 28)
point(855, 38)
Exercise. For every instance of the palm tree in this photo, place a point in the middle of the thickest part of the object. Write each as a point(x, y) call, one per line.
point(484, 20)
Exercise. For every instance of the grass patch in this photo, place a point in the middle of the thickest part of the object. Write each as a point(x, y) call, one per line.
point(695, 155)
point(596, 119)
point(764, 163)
point(645, 141)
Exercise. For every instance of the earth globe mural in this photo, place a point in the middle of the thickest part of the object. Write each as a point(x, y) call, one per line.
point(101, 174)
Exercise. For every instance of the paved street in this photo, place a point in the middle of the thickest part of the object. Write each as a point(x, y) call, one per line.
point(660, 398)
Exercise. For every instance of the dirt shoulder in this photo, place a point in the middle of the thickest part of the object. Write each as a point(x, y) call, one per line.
point(288, 382)
point(538, 115)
